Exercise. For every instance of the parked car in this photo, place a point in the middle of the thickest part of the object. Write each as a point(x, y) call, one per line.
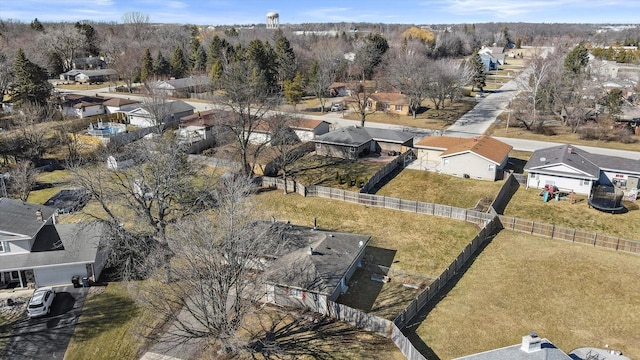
point(337, 107)
point(479, 95)
point(40, 303)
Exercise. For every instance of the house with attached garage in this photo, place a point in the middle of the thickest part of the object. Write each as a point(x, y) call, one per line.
point(570, 168)
point(352, 142)
point(81, 106)
point(182, 87)
point(148, 115)
point(120, 105)
point(36, 251)
point(480, 157)
point(90, 76)
point(394, 103)
point(313, 266)
point(304, 130)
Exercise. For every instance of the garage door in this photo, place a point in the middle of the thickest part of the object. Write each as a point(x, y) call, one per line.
point(59, 275)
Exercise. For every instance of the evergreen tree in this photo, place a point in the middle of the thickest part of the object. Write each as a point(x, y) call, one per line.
point(146, 69)
point(194, 48)
point(577, 60)
point(90, 36)
point(294, 89)
point(37, 25)
point(217, 49)
point(200, 64)
point(179, 65)
point(216, 71)
point(285, 58)
point(30, 83)
point(262, 57)
point(161, 66)
point(479, 78)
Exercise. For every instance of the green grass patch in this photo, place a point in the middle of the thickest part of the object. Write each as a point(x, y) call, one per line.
point(574, 295)
point(527, 204)
point(439, 188)
point(112, 326)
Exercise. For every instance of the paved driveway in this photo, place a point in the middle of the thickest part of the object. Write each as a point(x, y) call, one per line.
point(47, 337)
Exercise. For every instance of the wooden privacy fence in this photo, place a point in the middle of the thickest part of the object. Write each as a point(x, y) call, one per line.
point(410, 312)
point(505, 194)
point(568, 234)
point(374, 324)
point(386, 170)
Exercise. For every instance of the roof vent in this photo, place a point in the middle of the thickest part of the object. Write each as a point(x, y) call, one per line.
point(543, 159)
point(531, 343)
point(39, 215)
point(569, 150)
point(310, 252)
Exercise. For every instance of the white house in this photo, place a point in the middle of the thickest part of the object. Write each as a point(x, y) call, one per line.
point(148, 115)
point(35, 251)
point(84, 76)
point(120, 105)
point(182, 87)
point(570, 168)
point(81, 106)
point(481, 157)
point(308, 129)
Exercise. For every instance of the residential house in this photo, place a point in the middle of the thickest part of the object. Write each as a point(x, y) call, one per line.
point(182, 87)
point(314, 266)
point(481, 157)
point(308, 129)
point(496, 52)
point(394, 103)
point(120, 105)
point(353, 142)
point(338, 89)
point(88, 63)
point(532, 348)
point(573, 169)
point(148, 115)
point(197, 127)
point(35, 251)
point(489, 61)
point(90, 76)
point(82, 106)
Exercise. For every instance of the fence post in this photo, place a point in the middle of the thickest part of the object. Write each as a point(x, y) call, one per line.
point(574, 235)
point(416, 206)
point(618, 243)
point(553, 230)
point(532, 225)
point(595, 237)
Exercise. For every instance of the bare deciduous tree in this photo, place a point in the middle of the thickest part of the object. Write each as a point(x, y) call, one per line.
point(530, 89)
point(323, 72)
point(359, 100)
point(23, 179)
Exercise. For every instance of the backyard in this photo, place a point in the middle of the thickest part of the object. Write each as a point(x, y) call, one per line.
point(333, 172)
point(398, 242)
point(574, 295)
point(440, 189)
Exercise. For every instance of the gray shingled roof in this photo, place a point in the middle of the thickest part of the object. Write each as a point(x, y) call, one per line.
point(17, 217)
point(333, 255)
point(80, 245)
point(580, 160)
point(186, 82)
point(356, 136)
point(559, 155)
point(548, 352)
point(351, 136)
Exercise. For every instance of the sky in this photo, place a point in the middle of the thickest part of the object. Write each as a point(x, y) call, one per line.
point(242, 12)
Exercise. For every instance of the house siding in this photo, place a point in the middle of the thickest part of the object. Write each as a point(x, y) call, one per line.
point(340, 151)
point(304, 135)
point(282, 296)
point(58, 275)
point(470, 164)
point(259, 137)
point(16, 247)
point(538, 181)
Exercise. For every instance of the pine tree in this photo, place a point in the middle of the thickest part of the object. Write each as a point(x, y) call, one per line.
point(479, 78)
point(216, 71)
point(146, 69)
point(577, 60)
point(218, 49)
point(179, 65)
point(200, 64)
point(37, 25)
point(161, 66)
point(30, 83)
point(285, 58)
point(294, 89)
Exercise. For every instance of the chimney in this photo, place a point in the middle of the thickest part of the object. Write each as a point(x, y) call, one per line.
point(39, 215)
point(531, 343)
point(569, 150)
point(475, 139)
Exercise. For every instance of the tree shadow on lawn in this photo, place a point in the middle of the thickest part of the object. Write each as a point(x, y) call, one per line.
point(307, 334)
point(103, 312)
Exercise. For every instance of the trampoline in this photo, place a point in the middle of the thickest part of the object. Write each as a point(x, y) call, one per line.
point(607, 199)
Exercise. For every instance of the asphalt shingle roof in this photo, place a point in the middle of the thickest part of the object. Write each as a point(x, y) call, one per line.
point(484, 146)
point(17, 217)
point(356, 136)
point(547, 352)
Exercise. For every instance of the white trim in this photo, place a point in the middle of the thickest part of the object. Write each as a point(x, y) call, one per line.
point(47, 266)
point(296, 293)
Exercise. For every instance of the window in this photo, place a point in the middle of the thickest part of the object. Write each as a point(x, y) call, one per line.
point(318, 145)
point(1, 246)
point(492, 167)
point(586, 182)
point(352, 149)
point(297, 293)
point(533, 176)
point(621, 183)
point(398, 107)
point(445, 162)
point(15, 276)
point(387, 107)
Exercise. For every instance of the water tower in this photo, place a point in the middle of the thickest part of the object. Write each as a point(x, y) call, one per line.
point(273, 20)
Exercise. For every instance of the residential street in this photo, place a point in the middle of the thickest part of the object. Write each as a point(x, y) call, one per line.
point(47, 337)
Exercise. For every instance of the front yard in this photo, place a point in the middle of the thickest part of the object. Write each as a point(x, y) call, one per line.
point(574, 295)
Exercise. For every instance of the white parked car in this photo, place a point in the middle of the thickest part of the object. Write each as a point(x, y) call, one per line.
point(40, 303)
point(337, 107)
